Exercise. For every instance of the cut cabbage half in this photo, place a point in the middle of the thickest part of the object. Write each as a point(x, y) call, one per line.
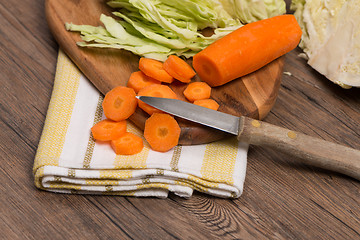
point(331, 38)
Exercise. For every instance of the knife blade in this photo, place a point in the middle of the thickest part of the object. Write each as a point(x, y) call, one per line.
point(308, 149)
point(208, 117)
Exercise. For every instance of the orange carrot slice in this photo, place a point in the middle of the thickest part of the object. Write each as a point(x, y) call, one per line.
point(247, 49)
point(127, 144)
point(154, 69)
point(208, 103)
point(162, 132)
point(107, 130)
point(155, 90)
point(139, 80)
point(179, 69)
point(119, 103)
point(197, 90)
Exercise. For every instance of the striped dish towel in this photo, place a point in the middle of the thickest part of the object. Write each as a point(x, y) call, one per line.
point(69, 161)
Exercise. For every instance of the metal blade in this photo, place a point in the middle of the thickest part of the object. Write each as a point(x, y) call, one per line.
point(215, 119)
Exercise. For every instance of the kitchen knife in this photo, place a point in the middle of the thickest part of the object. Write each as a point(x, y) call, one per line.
point(310, 150)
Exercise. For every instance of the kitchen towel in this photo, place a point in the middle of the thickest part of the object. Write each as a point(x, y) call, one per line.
point(68, 160)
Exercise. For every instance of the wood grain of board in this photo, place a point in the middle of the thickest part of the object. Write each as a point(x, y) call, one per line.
point(252, 95)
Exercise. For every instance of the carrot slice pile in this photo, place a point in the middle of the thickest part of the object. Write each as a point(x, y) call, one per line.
point(107, 130)
point(127, 144)
point(154, 69)
point(162, 132)
point(155, 90)
point(247, 49)
point(179, 69)
point(197, 90)
point(119, 103)
point(208, 103)
point(139, 80)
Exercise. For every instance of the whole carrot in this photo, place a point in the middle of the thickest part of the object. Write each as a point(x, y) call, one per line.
point(247, 49)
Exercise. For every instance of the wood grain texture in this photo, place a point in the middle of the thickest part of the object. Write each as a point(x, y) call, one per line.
point(252, 95)
point(309, 150)
point(282, 199)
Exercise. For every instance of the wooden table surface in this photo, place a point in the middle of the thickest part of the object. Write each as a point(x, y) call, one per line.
point(282, 198)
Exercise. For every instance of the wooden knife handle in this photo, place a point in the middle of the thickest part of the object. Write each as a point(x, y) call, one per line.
point(310, 150)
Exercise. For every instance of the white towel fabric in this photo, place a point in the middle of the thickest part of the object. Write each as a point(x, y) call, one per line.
point(68, 160)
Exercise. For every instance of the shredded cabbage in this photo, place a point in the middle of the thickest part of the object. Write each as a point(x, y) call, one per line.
point(159, 28)
point(255, 10)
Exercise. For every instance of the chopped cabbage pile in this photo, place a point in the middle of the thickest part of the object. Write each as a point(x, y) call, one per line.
point(159, 28)
point(331, 38)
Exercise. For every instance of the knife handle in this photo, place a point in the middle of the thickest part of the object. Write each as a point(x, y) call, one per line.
point(310, 150)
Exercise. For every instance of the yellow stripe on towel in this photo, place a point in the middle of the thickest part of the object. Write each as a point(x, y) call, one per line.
point(59, 113)
point(219, 161)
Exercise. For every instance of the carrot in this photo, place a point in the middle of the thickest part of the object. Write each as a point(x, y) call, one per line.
point(139, 80)
point(162, 132)
point(122, 142)
point(197, 90)
point(208, 103)
point(107, 130)
point(154, 69)
point(127, 144)
point(178, 69)
point(155, 90)
point(247, 49)
point(119, 103)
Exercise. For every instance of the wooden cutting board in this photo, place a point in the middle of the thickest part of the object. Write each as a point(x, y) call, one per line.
point(252, 95)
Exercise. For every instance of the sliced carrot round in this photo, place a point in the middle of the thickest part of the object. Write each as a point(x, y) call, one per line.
point(155, 90)
point(197, 90)
point(139, 80)
point(127, 144)
point(162, 132)
point(208, 103)
point(154, 69)
point(107, 130)
point(178, 69)
point(119, 103)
